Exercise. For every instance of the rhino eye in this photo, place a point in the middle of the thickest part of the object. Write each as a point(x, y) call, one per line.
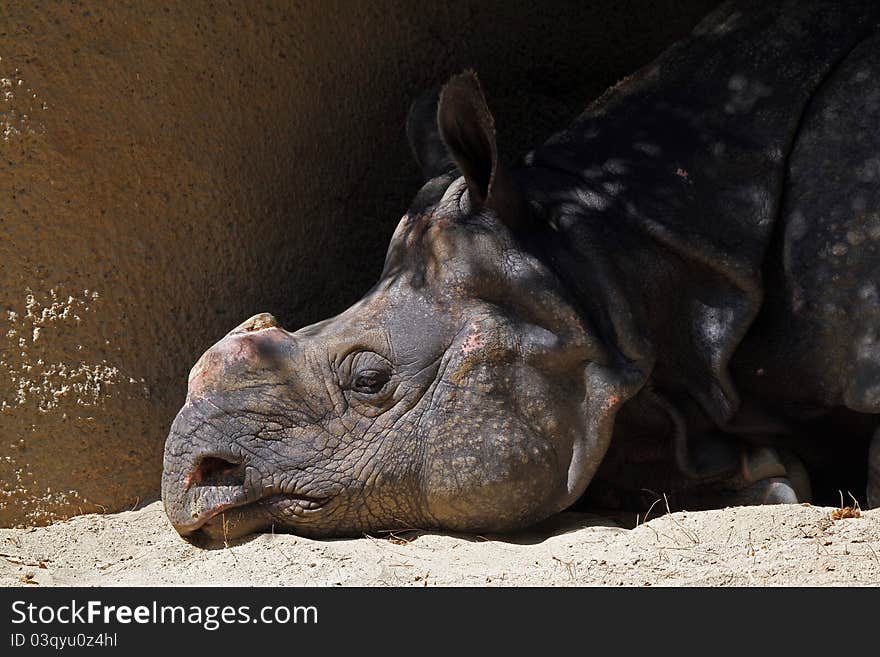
point(370, 381)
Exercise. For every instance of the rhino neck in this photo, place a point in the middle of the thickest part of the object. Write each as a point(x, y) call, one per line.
point(662, 197)
point(604, 265)
point(668, 298)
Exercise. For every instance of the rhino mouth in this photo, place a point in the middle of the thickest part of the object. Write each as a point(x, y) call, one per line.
point(232, 520)
point(218, 503)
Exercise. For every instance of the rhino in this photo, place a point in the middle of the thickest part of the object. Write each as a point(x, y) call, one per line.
point(677, 295)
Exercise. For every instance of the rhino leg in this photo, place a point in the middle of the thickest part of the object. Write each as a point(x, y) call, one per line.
point(762, 464)
point(720, 473)
point(874, 472)
point(765, 476)
point(771, 476)
point(776, 490)
point(731, 471)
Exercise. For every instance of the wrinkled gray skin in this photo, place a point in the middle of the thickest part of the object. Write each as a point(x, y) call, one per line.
point(690, 273)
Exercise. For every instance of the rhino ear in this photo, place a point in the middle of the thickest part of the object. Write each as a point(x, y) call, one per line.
point(468, 130)
point(423, 135)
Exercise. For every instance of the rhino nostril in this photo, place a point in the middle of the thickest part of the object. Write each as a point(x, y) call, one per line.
point(215, 471)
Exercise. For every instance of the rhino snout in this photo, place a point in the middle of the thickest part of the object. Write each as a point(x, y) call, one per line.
point(257, 351)
point(211, 493)
point(204, 476)
point(199, 484)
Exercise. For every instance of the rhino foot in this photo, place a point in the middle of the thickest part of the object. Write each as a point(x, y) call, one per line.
point(765, 475)
point(776, 490)
point(874, 472)
point(767, 466)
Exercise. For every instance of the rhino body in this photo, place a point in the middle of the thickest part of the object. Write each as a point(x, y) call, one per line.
point(679, 294)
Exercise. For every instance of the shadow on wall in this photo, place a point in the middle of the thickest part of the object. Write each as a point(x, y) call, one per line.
point(166, 172)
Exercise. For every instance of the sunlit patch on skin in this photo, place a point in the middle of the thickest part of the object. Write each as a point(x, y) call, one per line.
point(613, 400)
point(473, 342)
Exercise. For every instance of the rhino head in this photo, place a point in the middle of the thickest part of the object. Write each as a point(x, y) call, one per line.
point(466, 391)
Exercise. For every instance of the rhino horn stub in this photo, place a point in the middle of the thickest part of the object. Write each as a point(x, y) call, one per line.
point(256, 323)
point(257, 350)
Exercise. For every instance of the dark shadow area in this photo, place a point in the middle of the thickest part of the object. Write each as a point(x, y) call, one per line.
point(559, 524)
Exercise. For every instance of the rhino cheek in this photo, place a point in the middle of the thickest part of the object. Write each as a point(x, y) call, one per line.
point(486, 470)
point(505, 493)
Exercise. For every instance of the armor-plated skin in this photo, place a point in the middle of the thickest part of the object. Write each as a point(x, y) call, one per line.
point(653, 279)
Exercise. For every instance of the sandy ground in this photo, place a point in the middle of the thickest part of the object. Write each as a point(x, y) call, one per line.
point(772, 545)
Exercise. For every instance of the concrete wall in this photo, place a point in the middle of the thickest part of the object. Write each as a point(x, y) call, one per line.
point(168, 170)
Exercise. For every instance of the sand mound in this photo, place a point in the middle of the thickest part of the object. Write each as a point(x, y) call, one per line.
point(772, 545)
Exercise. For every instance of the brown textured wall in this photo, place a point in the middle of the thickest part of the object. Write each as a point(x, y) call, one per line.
point(168, 170)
